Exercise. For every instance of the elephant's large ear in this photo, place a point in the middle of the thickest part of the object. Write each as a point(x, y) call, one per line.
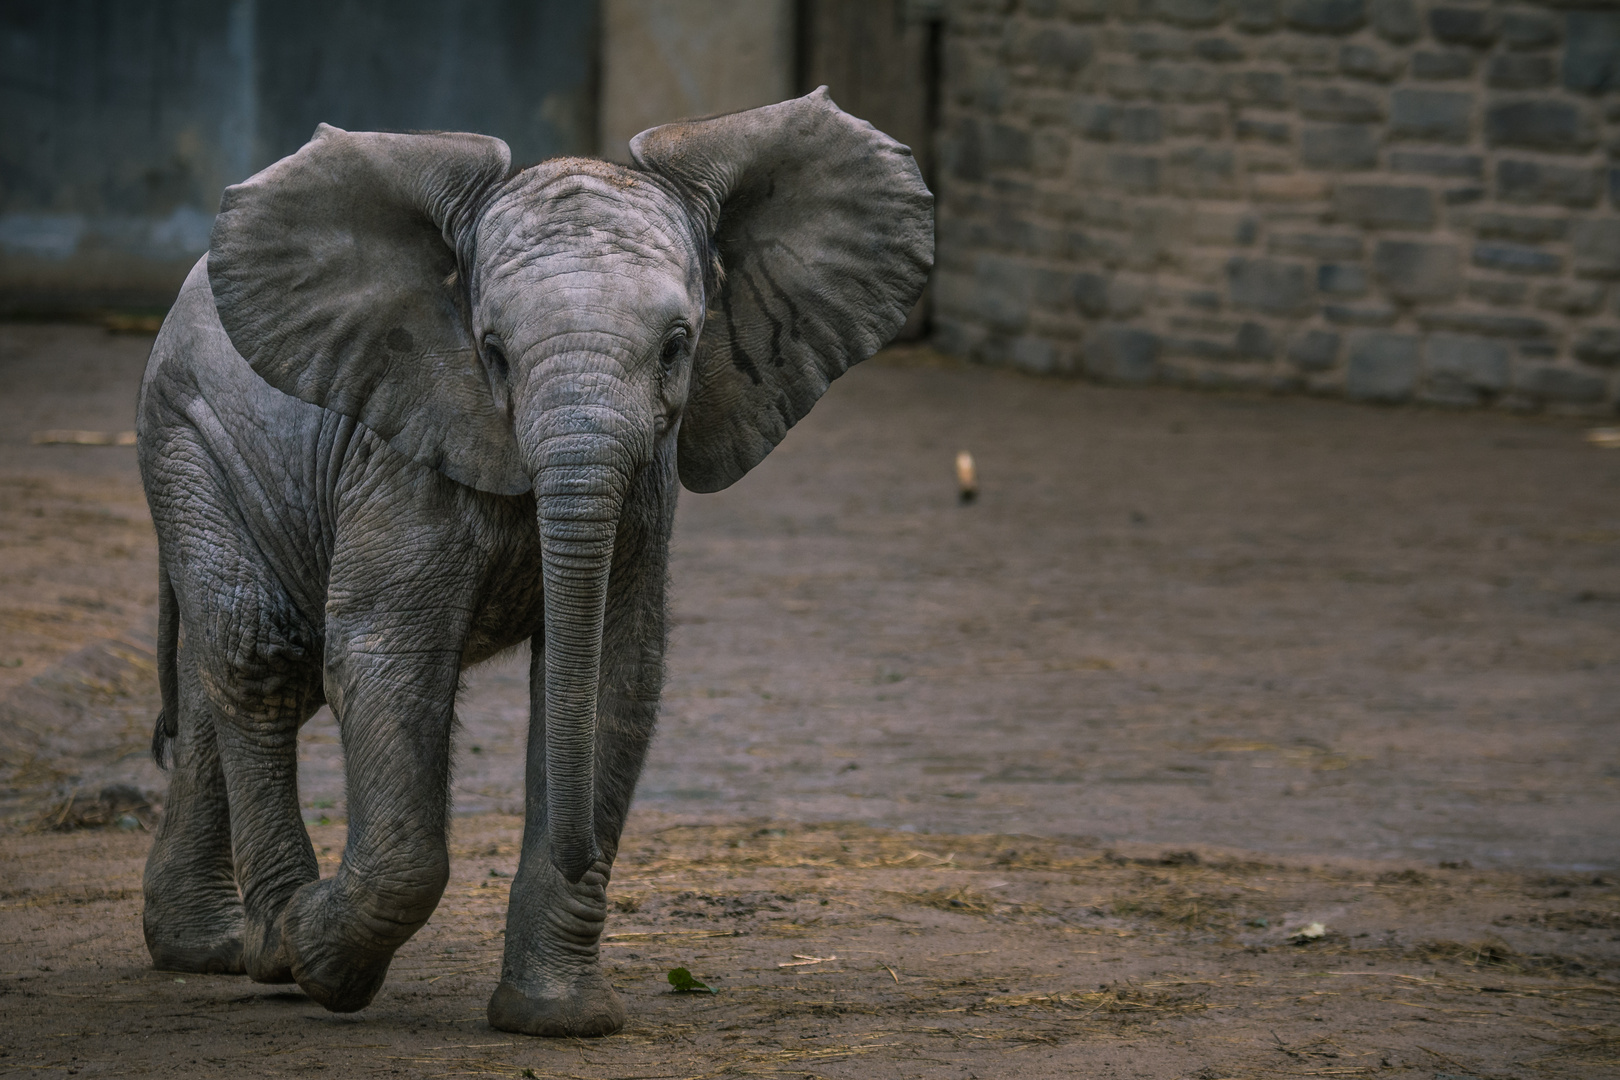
point(825, 232)
point(335, 275)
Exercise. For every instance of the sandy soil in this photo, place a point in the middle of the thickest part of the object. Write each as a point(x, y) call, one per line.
point(843, 951)
point(1326, 648)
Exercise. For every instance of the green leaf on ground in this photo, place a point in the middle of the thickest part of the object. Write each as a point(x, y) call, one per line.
point(685, 982)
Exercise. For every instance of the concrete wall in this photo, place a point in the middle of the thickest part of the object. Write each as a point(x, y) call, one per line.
point(666, 60)
point(125, 120)
point(1389, 199)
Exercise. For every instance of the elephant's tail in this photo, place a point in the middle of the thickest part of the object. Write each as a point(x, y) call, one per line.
point(168, 649)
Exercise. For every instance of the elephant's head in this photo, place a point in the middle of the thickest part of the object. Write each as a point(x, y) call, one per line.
point(548, 331)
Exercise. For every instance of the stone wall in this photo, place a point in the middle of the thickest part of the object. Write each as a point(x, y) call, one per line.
point(1388, 199)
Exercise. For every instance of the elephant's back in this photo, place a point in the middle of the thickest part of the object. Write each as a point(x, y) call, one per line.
point(195, 371)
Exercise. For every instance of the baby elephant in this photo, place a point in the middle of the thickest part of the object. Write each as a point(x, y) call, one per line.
point(414, 408)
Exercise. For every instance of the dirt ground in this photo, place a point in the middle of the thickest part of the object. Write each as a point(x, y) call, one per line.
point(1038, 786)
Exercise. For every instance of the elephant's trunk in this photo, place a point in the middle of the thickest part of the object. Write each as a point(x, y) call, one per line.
point(579, 493)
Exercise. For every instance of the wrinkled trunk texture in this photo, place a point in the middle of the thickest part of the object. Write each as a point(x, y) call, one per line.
point(579, 494)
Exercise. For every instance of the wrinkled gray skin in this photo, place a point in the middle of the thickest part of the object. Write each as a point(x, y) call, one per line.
point(412, 410)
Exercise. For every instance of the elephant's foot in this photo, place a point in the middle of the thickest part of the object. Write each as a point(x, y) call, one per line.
point(219, 958)
point(264, 953)
point(326, 960)
point(588, 1008)
point(198, 932)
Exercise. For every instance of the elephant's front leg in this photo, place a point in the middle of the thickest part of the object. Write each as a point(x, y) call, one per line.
point(551, 979)
point(394, 713)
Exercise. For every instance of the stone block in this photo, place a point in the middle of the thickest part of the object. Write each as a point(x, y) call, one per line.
point(1307, 55)
point(1396, 20)
point(1033, 354)
point(1529, 30)
point(1108, 122)
point(1121, 354)
point(1128, 295)
point(1185, 82)
point(1155, 44)
point(1360, 315)
point(1461, 196)
point(1570, 297)
point(1132, 80)
point(1548, 383)
point(1057, 49)
point(1268, 89)
point(1325, 16)
point(1254, 341)
point(1384, 206)
point(1314, 350)
point(1438, 163)
point(1486, 323)
point(1556, 125)
point(1475, 362)
point(1084, 10)
point(1339, 147)
point(1540, 182)
point(1202, 300)
point(1336, 103)
point(1289, 187)
point(1381, 366)
point(1218, 50)
point(1341, 279)
point(1007, 147)
point(1268, 286)
point(1450, 64)
point(1315, 245)
point(1368, 62)
point(1437, 115)
point(1004, 288)
point(1272, 131)
point(1523, 227)
point(1516, 71)
point(1049, 288)
point(1206, 171)
point(963, 150)
point(1225, 228)
point(1193, 13)
point(1417, 272)
point(1200, 348)
point(1199, 123)
point(1051, 156)
point(1137, 173)
point(1592, 51)
point(1089, 294)
point(1502, 292)
point(1097, 247)
point(1256, 16)
point(1516, 259)
point(1599, 345)
point(1597, 248)
point(1473, 26)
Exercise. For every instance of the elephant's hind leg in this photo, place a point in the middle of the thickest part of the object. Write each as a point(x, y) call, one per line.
point(258, 720)
point(193, 915)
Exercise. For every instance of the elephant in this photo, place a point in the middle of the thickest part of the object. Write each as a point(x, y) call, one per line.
point(415, 407)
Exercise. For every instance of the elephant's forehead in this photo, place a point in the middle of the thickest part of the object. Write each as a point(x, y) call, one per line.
point(580, 208)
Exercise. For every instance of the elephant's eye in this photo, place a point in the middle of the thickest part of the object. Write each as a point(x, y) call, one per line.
point(495, 357)
point(674, 346)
